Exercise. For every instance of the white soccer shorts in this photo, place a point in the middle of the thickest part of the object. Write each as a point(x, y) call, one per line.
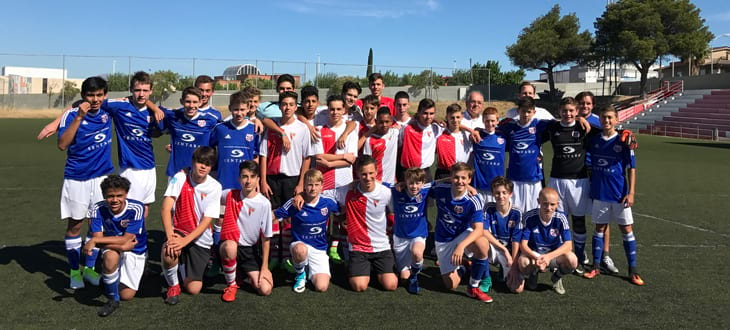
point(525, 194)
point(318, 261)
point(131, 268)
point(444, 250)
point(607, 212)
point(574, 195)
point(402, 248)
point(143, 184)
point(77, 197)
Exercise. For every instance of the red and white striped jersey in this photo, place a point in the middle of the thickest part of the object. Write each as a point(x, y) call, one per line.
point(246, 219)
point(327, 144)
point(288, 163)
point(385, 151)
point(192, 203)
point(452, 148)
point(366, 218)
point(419, 145)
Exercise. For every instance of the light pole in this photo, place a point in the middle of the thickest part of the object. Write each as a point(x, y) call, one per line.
point(712, 62)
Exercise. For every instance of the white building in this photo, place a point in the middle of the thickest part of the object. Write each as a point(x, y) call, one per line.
point(584, 74)
point(49, 73)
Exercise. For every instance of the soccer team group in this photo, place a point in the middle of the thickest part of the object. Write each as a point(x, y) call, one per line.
point(282, 183)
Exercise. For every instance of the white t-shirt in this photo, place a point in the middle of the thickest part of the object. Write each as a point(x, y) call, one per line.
point(207, 202)
point(385, 151)
point(254, 219)
point(288, 163)
point(540, 113)
point(472, 123)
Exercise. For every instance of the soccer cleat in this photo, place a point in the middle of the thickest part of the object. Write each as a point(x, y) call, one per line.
point(173, 295)
point(300, 282)
point(91, 276)
point(478, 294)
point(591, 274)
point(485, 284)
point(229, 293)
point(108, 308)
point(557, 283)
point(579, 270)
point(413, 287)
point(636, 279)
point(334, 256)
point(532, 281)
point(77, 281)
point(608, 266)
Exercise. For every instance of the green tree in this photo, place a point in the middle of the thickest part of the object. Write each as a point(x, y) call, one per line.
point(184, 82)
point(69, 92)
point(118, 82)
point(370, 64)
point(260, 83)
point(164, 84)
point(639, 32)
point(490, 72)
point(550, 41)
point(391, 78)
point(324, 80)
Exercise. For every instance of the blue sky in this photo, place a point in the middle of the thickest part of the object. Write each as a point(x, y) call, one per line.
point(405, 35)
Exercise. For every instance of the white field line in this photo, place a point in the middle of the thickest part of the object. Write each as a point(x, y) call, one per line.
point(682, 224)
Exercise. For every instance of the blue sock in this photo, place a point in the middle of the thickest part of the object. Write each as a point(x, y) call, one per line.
point(630, 249)
point(90, 261)
point(73, 251)
point(479, 271)
point(216, 235)
point(111, 287)
point(580, 246)
point(416, 268)
point(597, 249)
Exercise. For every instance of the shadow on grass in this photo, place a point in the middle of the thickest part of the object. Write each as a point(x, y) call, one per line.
point(49, 258)
point(718, 145)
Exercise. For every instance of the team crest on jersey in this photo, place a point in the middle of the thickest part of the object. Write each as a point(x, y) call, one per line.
point(576, 134)
point(202, 196)
point(500, 141)
point(419, 198)
point(249, 137)
point(429, 134)
point(617, 148)
point(375, 202)
point(531, 130)
point(324, 211)
point(201, 123)
point(124, 223)
point(458, 209)
point(250, 210)
point(511, 224)
point(553, 232)
point(104, 118)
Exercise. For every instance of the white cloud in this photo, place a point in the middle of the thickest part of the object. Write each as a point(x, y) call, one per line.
point(371, 9)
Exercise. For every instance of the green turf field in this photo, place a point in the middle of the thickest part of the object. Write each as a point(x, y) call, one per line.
point(681, 226)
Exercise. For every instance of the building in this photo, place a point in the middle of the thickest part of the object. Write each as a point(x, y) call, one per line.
point(31, 80)
point(237, 74)
point(585, 74)
point(720, 64)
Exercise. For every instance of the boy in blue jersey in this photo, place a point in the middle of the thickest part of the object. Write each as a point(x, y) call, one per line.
point(459, 227)
point(504, 231)
point(487, 156)
point(188, 128)
point(236, 141)
point(523, 138)
point(206, 85)
point(613, 184)
point(309, 233)
point(85, 134)
point(546, 243)
point(117, 224)
point(410, 228)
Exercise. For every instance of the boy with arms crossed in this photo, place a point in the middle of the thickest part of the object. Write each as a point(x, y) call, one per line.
point(117, 224)
point(192, 201)
point(246, 223)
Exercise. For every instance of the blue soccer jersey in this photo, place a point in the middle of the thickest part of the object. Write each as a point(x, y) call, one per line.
point(235, 145)
point(410, 212)
point(487, 158)
point(90, 154)
point(594, 120)
point(186, 135)
point(524, 149)
point(213, 112)
point(507, 229)
point(544, 238)
point(610, 158)
point(129, 221)
point(309, 225)
point(455, 215)
point(134, 148)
